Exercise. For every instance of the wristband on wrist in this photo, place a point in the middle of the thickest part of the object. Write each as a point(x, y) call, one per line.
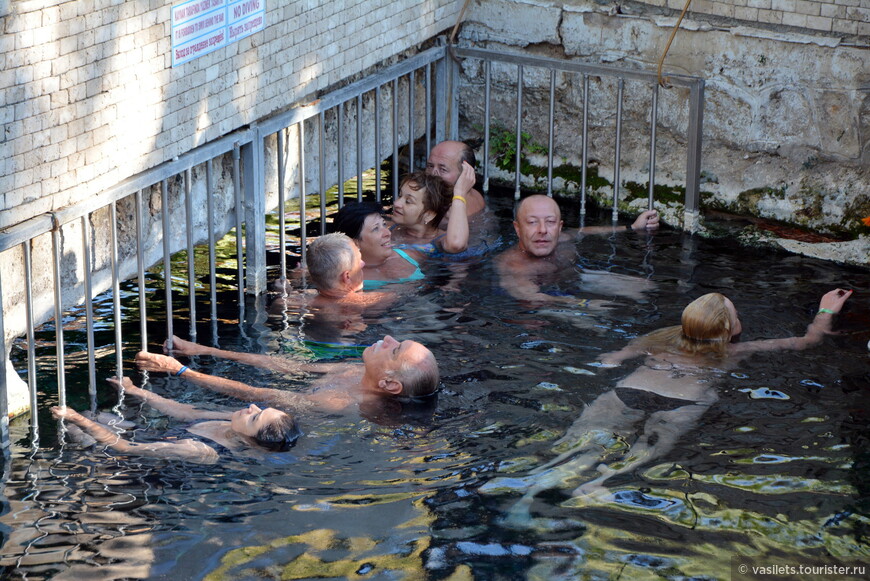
point(628, 227)
point(180, 371)
point(829, 311)
point(461, 199)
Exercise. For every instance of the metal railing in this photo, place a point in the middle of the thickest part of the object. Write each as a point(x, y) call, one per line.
point(582, 72)
point(318, 132)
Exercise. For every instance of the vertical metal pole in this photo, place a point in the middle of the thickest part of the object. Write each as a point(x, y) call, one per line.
point(212, 260)
point(31, 341)
point(116, 293)
point(519, 126)
point(240, 262)
point(585, 144)
point(359, 146)
point(58, 314)
point(282, 217)
point(453, 99)
point(652, 145)
point(89, 310)
point(693, 161)
point(254, 189)
point(411, 135)
point(550, 139)
point(377, 161)
point(321, 154)
point(428, 120)
point(619, 93)
point(191, 270)
point(167, 258)
point(395, 172)
point(486, 114)
point(140, 272)
point(442, 97)
point(302, 194)
point(340, 152)
point(4, 397)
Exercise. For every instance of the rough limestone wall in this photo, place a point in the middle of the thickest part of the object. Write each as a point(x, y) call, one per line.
point(846, 17)
point(88, 98)
point(787, 115)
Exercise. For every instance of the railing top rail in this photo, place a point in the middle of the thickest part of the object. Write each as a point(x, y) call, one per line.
point(576, 67)
point(32, 227)
point(346, 93)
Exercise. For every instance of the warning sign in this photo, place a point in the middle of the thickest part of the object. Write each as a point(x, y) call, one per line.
point(201, 26)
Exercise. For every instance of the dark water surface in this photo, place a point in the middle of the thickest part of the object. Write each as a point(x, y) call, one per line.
point(775, 470)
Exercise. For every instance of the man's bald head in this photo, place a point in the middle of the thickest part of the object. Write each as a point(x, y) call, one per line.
point(445, 160)
point(538, 224)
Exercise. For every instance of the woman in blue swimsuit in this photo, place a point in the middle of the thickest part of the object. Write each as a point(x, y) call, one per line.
point(364, 223)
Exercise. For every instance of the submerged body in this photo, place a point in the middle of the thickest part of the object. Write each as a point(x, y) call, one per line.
point(651, 408)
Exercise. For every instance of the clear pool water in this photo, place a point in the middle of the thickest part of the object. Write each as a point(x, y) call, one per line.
point(776, 470)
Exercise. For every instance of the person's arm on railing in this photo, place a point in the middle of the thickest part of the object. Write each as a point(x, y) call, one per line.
point(646, 220)
point(173, 409)
point(179, 346)
point(237, 389)
point(186, 449)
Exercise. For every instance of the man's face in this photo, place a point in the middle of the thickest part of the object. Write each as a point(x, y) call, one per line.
point(388, 355)
point(444, 162)
point(538, 225)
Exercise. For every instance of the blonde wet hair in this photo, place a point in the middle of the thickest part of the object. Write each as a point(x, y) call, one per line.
point(705, 329)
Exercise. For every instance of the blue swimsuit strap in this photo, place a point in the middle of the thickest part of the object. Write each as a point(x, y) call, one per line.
point(404, 255)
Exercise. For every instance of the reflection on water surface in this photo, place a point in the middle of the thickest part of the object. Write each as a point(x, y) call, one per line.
point(775, 469)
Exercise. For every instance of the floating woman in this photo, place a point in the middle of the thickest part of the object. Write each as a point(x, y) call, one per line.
point(650, 409)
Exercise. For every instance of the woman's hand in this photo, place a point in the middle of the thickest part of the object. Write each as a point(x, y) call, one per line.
point(833, 301)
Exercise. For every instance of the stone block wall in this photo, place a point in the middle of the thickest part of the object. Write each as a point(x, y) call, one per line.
point(849, 17)
point(88, 95)
point(786, 116)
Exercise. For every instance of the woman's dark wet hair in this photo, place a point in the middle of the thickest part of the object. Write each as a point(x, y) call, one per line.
point(350, 219)
point(280, 435)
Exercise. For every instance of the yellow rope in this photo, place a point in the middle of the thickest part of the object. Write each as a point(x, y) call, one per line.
point(662, 82)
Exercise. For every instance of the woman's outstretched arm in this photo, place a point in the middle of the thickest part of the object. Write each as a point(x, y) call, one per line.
point(821, 325)
point(191, 450)
point(173, 409)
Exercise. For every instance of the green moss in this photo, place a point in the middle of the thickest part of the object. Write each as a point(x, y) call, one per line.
point(661, 193)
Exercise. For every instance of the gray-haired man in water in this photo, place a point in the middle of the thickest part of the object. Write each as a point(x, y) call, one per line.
point(543, 252)
point(390, 369)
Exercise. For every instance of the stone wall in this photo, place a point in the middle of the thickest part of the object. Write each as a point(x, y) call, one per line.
point(89, 97)
point(787, 113)
point(847, 17)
